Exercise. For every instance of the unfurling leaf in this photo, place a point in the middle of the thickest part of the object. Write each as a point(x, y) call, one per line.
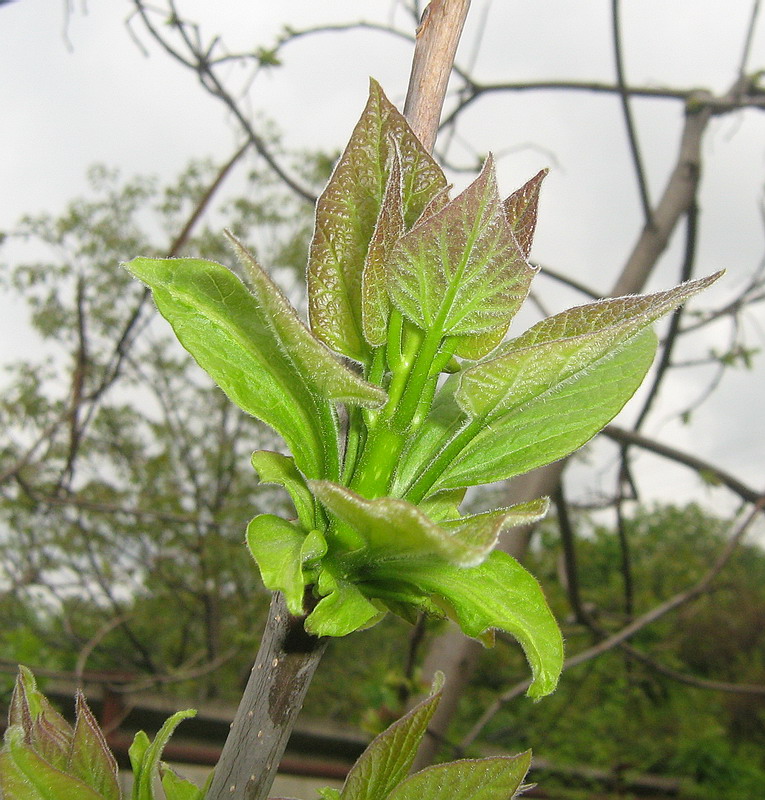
point(145, 755)
point(276, 546)
point(460, 273)
point(497, 594)
point(280, 469)
point(43, 758)
point(25, 775)
point(343, 608)
point(347, 212)
point(396, 530)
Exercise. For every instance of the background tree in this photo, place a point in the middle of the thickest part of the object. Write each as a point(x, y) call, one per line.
point(724, 331)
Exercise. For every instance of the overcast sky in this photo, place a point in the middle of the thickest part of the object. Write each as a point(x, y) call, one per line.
point(81, 92)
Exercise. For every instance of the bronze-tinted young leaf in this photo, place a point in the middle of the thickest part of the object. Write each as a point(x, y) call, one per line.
point(25, 775)
point(388, 758)
point(389, 228)
point(495, 778)
point(460, 272)
point(45, 730)
point(347, 212)
point(521, 211)
point(90, 759)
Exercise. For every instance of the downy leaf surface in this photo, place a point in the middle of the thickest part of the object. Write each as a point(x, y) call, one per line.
point(460, 272)
point(347, 212)
point(497, 778)
point(388, 758)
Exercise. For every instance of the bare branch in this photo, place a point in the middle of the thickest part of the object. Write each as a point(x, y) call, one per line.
point(628, 120)
point(437, 39)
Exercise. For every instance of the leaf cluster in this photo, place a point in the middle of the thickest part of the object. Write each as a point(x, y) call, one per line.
point(406, 283)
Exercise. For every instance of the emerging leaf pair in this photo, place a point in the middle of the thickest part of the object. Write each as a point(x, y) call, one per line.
point(408, 284)
point(44, 758)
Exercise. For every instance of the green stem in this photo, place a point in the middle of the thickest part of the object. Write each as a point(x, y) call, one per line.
point(420, 488)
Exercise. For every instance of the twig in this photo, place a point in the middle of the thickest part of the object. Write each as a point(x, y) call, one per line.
point(622, 435)
point(628, 120)
point(437, 39)
point(747, 49)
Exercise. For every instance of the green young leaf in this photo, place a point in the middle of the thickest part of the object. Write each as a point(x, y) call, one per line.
point(25, 775)
point(553, 425)
point(396, 530)
point(460, 272)
point(389, 228)
point(521, 211)
point(497, 778)
point(148, 755)
point(342, 609)
point(258, 351)
point(346, 214)
point(540, 397)
point(280, 469)
point(388, 758)
point(276, 546)
point(177, 788)
point(90, 758)
point(559, 348)
point(501, 594)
